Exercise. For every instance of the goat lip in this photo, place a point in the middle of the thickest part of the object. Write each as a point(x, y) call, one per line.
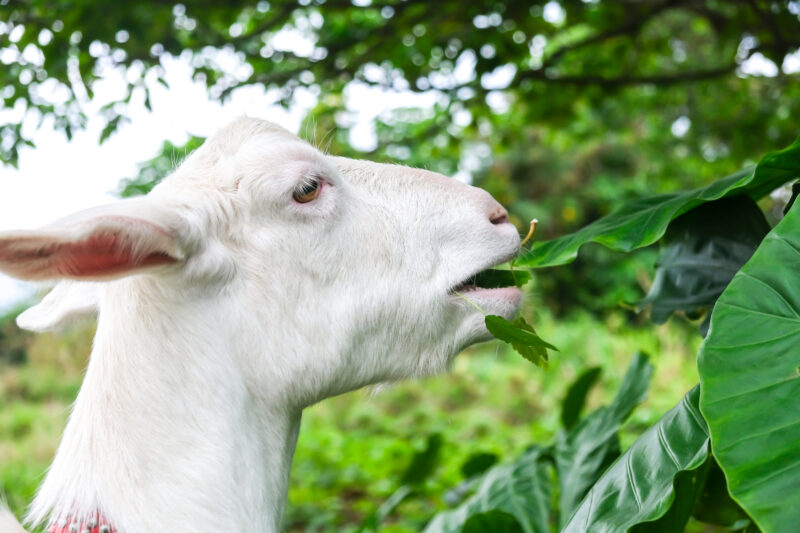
point(468, 284)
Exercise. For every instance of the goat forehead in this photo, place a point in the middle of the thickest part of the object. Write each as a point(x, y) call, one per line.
point(386, 175)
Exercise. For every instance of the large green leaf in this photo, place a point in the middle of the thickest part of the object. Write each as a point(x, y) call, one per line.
point(702, 251)
point(750, 376)
point(591, 446)
point(522, 489)
point(638, 487)
point(644, 221)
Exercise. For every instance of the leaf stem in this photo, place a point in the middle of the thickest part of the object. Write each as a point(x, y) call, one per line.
point(473, 304)
point(530, 232)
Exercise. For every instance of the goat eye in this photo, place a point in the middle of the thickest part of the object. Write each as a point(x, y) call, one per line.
point(307, 191)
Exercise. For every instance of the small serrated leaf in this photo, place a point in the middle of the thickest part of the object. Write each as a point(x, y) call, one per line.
point(521, 336)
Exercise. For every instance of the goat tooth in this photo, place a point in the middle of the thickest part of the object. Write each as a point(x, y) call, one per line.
point(91, 523)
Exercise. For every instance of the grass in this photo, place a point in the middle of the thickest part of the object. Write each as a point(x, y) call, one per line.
point(354, 448)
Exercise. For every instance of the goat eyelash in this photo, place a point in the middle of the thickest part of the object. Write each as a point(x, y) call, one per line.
point(308, 190)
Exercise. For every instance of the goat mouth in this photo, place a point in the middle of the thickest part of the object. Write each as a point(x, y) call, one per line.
point(489, 279)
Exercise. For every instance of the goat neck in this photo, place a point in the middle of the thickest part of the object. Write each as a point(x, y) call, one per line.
point(164, 434)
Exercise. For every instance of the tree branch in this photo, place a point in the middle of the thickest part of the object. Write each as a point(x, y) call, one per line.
point(631, 25)
point(617, 81)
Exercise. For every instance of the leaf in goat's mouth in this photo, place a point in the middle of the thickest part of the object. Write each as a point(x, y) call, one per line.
point(521, 336)
point(496, 279)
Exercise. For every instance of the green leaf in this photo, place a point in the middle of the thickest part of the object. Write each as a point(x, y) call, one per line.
point(750, 375)
point(478, 463)
point(422, 465)
point(494, 279)
point(644, 221)
point(576, 396)
point(585, 452)
point(639, 487)
point(702, 251)
point(424, 462)
point(522, 488)
point(521, 336)
point(373, 521)
point(494, 521)
point(110, 128)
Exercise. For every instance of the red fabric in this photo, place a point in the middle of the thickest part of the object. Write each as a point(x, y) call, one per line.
point(75, 526)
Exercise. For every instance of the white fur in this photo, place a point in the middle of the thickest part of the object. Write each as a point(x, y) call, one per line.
point(8, 524)
point(188, 416)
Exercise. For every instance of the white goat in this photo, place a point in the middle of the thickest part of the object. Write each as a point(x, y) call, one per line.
point(261, 277)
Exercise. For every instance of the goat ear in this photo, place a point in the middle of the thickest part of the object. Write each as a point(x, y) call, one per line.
point(67, 301)
point(100, 244)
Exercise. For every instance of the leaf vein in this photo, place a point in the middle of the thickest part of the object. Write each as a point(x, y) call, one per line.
point(756, 312)
point(665, 445)
point(785, 241)
point(760, 434)
point(771, 288)
point(632, 482)
point(752, 391)
point(771, 475)
point(757, 343)
point(698, 417)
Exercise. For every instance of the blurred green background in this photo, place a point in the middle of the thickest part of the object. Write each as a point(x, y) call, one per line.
point(562, 109)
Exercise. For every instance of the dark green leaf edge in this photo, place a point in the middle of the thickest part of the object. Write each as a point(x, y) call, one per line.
point(576, 396)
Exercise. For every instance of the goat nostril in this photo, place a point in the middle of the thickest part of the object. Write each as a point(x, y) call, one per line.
point(499, 216)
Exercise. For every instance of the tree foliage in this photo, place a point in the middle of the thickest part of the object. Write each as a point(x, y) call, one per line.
point(518, 79)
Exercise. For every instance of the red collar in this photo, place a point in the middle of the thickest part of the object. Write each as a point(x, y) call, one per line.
point(94, 524)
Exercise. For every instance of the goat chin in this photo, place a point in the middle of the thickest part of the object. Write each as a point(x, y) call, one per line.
point(262, 276)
